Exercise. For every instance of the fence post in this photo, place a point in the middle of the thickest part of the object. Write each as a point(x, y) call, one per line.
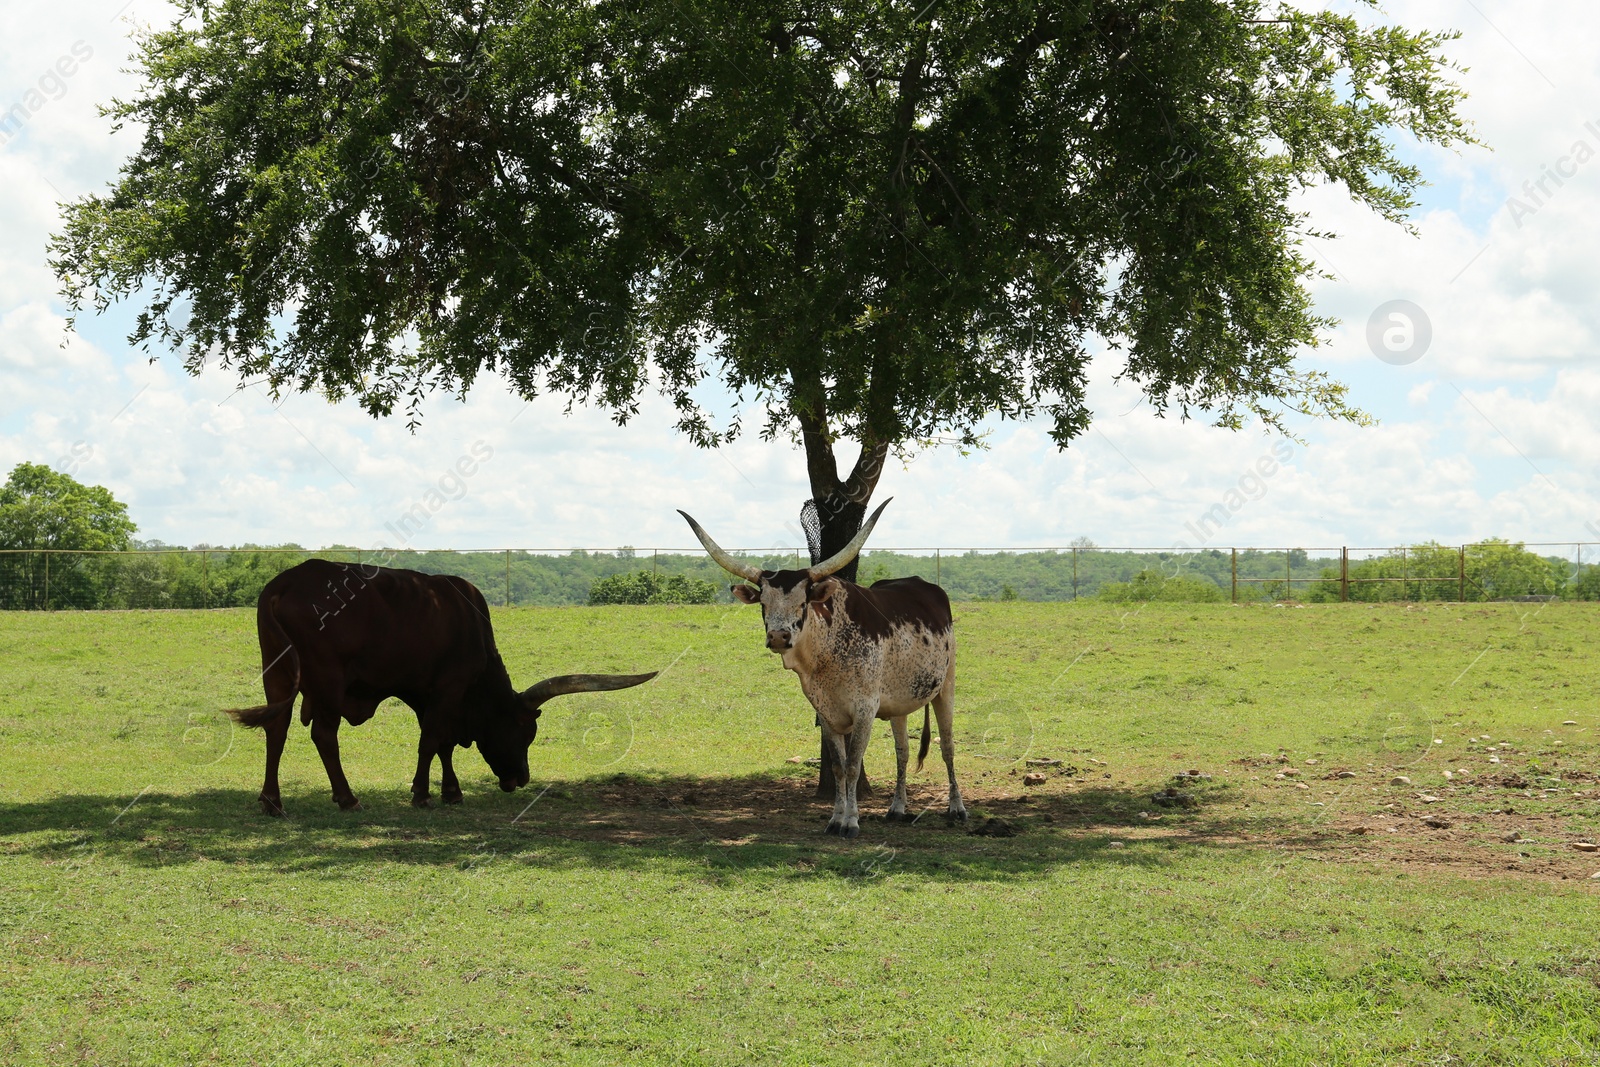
point(938, 568)
point(1461, 573)
point(1288, 574)
point(1235, 552)
point(1344, 575)
point(655, 561)
point(508, 577)
point(205, 579)
point(47, 580)
point(1074, 573)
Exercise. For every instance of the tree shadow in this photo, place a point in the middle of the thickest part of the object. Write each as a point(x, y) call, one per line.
point(725, 827)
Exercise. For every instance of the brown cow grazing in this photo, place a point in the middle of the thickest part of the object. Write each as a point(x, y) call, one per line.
point(348, 636)
point(861, 654)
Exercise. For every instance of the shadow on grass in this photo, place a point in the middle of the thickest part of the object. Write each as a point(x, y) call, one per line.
point(723, 828)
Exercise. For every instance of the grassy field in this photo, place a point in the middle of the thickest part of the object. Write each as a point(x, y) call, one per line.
point(663, 892)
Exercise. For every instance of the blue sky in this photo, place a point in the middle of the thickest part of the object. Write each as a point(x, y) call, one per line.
point(1491, 432)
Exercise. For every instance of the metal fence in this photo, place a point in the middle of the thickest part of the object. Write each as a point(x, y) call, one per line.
point(1482, 571)
point(208, 577)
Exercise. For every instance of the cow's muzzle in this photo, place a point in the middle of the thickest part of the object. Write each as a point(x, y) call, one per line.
point(779, 640)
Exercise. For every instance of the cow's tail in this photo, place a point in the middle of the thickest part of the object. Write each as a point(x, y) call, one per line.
point(280, 676)
point(262, 715)
point(927, 737)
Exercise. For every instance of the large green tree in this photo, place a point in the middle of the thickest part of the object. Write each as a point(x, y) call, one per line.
point(45, 508)
point(42, 508)
point(876, 222)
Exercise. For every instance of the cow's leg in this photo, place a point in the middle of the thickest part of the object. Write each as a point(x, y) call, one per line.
point(449, 785)
point(277, 732)
point(838, 758)
point(902, 753)
point(281, 682)
point(825, 781)
point(847, 816)
point(944, 711)
point(426, 746)
point(325, 735)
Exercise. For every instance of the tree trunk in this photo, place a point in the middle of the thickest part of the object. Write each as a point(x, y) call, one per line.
point(827, 784)
point(841, 522)
point(841, 507)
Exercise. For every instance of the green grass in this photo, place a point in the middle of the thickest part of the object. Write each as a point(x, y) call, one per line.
point(663, 893)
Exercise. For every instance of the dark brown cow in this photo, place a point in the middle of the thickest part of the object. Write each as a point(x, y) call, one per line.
point(861, 654)
point(348, 636)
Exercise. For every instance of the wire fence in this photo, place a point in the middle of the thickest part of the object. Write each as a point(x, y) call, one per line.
point(208, 577)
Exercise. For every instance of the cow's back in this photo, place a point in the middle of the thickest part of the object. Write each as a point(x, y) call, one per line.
point(895, 602)
point(907, 624)
point(360, 627)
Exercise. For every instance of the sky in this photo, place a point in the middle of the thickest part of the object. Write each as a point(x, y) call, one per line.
point(1488, 429)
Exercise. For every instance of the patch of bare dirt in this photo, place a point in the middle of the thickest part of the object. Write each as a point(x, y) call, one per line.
point(1536, 844)
point(1525, 837)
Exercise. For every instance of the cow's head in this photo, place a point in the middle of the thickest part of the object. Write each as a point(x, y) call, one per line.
point(789, 598)
point(505, 743)
point(504, 747)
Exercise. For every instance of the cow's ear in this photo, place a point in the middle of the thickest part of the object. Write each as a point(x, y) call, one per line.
point(820, 597)
point(822, 590)
point(745, 594)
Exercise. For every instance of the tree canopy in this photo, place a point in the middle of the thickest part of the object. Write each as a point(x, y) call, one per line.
point(869, 221)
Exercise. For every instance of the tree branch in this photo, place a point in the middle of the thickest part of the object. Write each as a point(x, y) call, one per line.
point(906, 114)
point(868, 469)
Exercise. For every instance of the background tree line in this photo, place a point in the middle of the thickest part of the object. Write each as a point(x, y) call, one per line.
point(95, 562)
point(152, 575)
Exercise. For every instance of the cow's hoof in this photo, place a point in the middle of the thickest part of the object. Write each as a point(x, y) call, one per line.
point(835, 828)
point(421, 802)
point(956, 816)
point(271, 806)
point(452, 798)
point(900, 816)
point(851, 831)
point(351, 804)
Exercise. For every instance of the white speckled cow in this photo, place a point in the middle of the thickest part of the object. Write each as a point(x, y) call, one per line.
point(861, 654)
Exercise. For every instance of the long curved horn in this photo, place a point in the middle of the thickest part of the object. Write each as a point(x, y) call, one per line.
point(839, 559)
point(725, 561)
point(580, 683)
